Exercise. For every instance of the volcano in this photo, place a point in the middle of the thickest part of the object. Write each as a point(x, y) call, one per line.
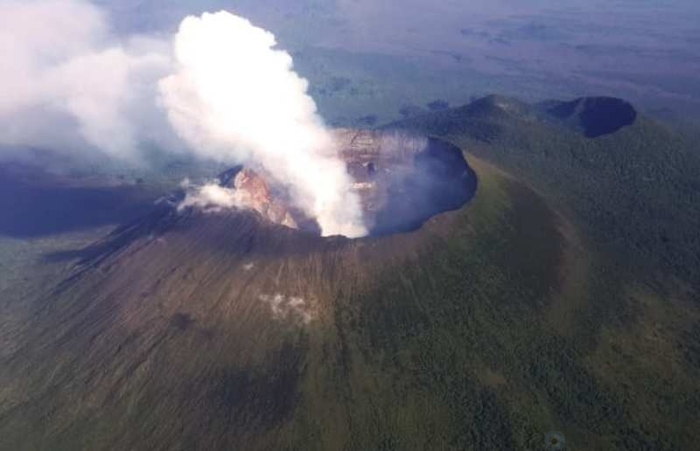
point(466, 319)
point(406, 182)
point(221, 303)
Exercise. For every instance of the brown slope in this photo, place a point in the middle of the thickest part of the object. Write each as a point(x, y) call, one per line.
point(220, 331)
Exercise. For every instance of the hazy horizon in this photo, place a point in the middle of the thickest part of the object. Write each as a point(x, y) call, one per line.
point(646, 51)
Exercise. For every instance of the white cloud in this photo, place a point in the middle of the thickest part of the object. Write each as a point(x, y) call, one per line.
point(69, 84)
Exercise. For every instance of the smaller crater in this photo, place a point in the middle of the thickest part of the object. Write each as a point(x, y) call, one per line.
point(596, 116)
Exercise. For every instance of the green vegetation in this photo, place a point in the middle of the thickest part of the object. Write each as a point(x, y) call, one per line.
point(635, 192)
point(634, 197)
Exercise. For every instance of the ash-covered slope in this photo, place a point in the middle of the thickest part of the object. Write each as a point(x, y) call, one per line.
point(192, 330)
point(207, 323)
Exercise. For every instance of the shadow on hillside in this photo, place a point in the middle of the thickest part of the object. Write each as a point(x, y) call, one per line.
point(34, 203)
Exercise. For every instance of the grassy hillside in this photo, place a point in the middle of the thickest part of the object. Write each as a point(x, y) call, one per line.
point(635, 192)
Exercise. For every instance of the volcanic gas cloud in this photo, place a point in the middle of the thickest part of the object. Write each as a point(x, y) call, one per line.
point(219, 89)
point(234, 92)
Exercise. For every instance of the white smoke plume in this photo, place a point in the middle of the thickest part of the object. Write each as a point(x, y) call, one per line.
point(223, 88)
point(213, 198)
point(236, 96)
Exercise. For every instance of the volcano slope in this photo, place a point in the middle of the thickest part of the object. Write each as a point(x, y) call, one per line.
point(485, 328)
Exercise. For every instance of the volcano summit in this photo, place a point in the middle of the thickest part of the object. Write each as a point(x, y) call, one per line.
point(401, 180)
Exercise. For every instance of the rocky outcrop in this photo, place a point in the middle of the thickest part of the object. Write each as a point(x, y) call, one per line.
point(260, 197)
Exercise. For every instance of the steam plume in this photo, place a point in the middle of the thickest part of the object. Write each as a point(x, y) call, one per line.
point(235, 96)
point(227, 94)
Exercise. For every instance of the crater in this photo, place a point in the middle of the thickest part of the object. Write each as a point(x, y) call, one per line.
point(596, 116)
point(402, 180)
